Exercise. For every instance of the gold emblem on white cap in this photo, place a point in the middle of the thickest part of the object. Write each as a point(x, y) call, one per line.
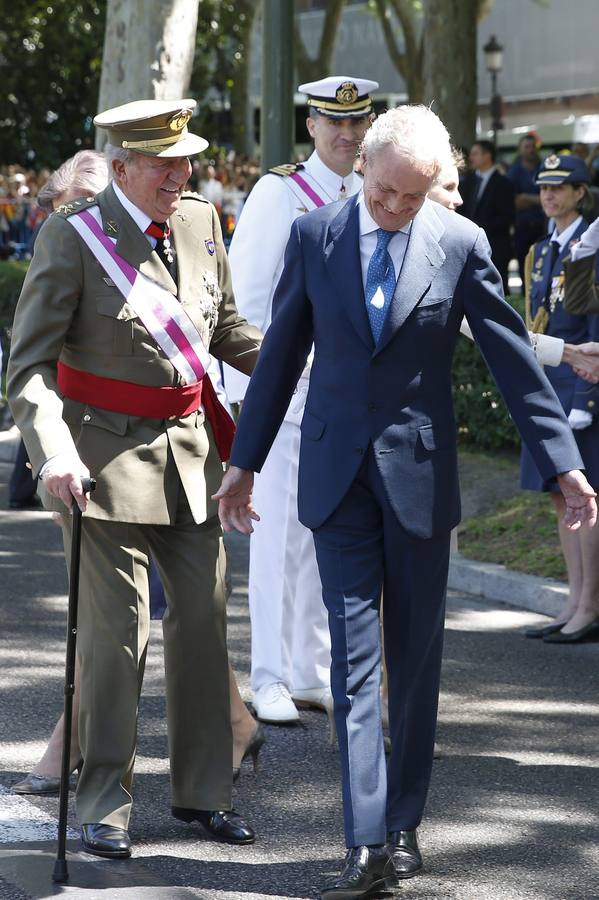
point(179, 120)
point(346, 93)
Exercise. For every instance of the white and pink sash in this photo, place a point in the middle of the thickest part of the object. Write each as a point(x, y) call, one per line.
point(158, 309)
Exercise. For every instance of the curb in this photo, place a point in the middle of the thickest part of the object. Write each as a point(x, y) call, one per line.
point(495, 582)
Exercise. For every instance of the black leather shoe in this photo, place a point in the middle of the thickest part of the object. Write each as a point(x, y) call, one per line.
point(367, 872)
point(224, 825)
point(106, 840)
point(541, 631)
point(590, 632)
point(403, 846)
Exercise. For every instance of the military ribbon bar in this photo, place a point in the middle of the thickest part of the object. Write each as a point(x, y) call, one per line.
point(158, 309)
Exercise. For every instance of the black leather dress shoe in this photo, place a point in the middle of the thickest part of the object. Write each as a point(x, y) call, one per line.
point(224, 825)
point(106, 840)
point(590, 632)
point(367, 872)
point(403, 846)
point(541, 631)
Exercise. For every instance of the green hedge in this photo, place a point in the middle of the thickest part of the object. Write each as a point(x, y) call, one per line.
point(482, 417)
point(12, 275)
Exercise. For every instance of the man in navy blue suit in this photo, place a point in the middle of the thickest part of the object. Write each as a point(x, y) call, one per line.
point(379, 284)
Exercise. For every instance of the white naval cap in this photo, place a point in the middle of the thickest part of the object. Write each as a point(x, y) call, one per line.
point(340, 96)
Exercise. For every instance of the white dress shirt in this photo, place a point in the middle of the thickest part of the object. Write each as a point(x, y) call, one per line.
point(368, 240)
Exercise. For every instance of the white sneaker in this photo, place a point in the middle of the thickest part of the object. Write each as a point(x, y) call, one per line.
point(273, 704)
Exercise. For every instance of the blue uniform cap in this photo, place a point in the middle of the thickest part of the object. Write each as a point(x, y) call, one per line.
point(564, 169)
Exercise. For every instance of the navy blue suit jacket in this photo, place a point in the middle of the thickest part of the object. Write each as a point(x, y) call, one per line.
point(395, 395)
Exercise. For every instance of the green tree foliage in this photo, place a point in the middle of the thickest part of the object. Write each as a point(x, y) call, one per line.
point(50, 59)
point(482, 417)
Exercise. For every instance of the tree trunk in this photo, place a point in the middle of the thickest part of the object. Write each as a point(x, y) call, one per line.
point(450, 65)
point(241, 112)
point(312, 69)
point(148, 62)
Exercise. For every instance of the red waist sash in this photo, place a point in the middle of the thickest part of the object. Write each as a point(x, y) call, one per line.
point(149, 402)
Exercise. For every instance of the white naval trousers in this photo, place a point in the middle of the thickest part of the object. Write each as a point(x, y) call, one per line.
point(290, 634)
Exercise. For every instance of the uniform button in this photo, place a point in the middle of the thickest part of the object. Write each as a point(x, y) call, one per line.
point(372, 407)
point(591, 404)
point(359, 450)
point(87, 418)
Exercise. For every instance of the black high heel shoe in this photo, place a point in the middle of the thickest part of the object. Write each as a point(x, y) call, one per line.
point(252, 749)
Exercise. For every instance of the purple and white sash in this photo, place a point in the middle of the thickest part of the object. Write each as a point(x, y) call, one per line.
point(307, 190)
point(158, 309)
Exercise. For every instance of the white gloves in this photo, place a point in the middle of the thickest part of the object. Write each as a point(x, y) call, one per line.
point(579, 419)
point(589, 242)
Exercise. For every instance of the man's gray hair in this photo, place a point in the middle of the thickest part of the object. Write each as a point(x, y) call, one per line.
point(415, 131)
point(84, 173)
point(113, 152)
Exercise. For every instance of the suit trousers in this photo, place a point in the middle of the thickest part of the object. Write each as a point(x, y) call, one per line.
point(361, 549)
point(290, 636)
point(113, 633)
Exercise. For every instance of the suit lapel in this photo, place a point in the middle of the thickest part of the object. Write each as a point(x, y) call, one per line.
point(131, 243)
point(422, 262)
point(342, 258)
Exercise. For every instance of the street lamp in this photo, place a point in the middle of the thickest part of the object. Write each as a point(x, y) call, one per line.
point(494, 60)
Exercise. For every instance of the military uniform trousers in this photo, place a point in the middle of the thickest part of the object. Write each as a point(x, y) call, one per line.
point(290, 635)
point(112, 642)
point(362, 548)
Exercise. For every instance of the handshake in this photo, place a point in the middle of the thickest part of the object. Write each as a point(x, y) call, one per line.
point(584, 359)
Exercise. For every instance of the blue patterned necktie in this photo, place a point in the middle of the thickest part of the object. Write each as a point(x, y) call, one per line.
point(380, 283)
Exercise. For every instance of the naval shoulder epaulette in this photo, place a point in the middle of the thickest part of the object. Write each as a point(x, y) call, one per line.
point(74, 206)
point(193, 195)
point(286, 169)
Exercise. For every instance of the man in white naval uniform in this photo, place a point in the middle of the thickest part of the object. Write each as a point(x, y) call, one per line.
point(290, 635)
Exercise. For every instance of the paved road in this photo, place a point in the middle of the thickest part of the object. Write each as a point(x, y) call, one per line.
point(514, 801)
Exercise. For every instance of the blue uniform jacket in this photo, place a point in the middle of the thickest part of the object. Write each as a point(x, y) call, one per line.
point(395, 395)
point(573, 392)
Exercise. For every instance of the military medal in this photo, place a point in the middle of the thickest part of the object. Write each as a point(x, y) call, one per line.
point(169, 250)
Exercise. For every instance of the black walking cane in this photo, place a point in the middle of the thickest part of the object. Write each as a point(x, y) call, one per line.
point(61, 872)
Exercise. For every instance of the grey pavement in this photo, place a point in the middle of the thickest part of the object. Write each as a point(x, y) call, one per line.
point(514, 800)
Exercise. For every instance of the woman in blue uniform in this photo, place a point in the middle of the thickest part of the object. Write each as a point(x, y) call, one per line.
point(565, 195)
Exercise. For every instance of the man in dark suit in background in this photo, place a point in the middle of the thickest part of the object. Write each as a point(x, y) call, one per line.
point(380, 284)
point(489, 201)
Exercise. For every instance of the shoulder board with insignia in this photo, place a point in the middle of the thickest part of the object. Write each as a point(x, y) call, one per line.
point(286, 169)
point(67, 209)
point(193, 195)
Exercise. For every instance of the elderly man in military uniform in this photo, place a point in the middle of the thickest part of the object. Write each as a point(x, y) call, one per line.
point(127, 294)
point(290, 637)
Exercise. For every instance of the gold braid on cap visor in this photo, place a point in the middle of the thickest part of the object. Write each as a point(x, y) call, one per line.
point(156, 144)
point(339, 107)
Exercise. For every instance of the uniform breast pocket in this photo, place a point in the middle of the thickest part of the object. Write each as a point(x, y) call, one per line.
point(117, 319)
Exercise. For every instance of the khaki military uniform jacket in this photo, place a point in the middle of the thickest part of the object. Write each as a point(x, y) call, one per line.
point(70, 310)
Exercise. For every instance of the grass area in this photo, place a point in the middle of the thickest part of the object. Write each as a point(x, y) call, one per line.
point(520, 532)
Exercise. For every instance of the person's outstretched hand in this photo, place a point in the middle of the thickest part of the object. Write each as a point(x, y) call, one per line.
point(234, 497)
point(581, 506)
